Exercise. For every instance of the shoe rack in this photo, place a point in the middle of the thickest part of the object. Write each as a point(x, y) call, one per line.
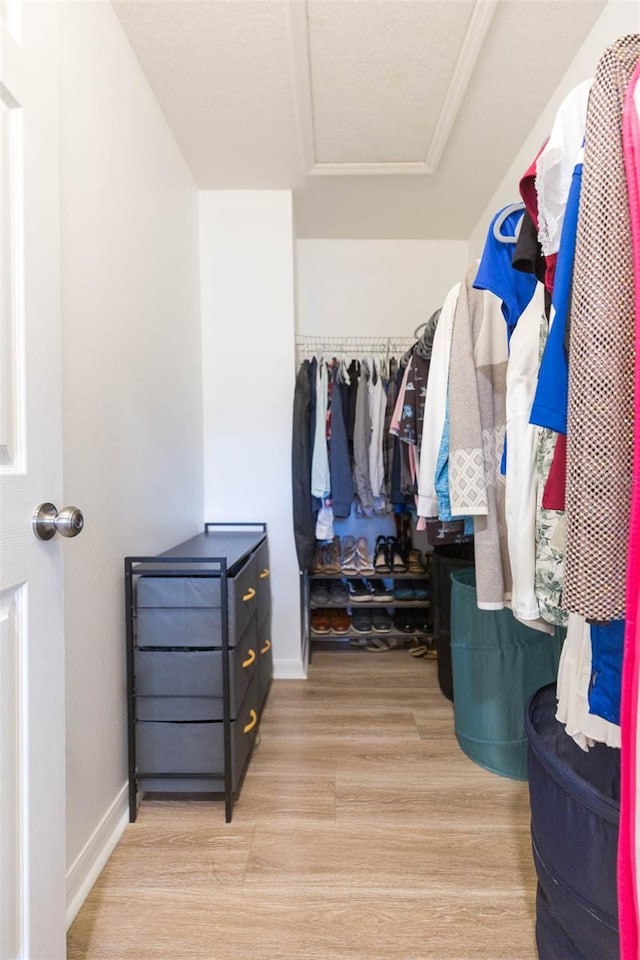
point(372, 623)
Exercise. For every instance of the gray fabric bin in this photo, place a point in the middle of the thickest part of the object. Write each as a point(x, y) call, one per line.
point(187, 611)
point(168, 747)
point(179, 674)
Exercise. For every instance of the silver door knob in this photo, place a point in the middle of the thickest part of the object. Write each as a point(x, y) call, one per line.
point(46, 521)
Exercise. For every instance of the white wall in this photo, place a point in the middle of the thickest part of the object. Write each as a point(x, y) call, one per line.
point(373, 287)
point(132, 390)
point(618, 18)
point(247, 283)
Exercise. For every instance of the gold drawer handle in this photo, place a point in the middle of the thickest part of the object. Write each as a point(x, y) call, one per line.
point(250, 659)
point(248, 727)
point(249, 595)
point(267, 647)
point(265, 573)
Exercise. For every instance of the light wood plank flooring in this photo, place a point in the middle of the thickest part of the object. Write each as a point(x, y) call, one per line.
point(362, 833)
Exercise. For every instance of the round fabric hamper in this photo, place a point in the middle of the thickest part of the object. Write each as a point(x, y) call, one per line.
point(497, 664)
point(574, 833)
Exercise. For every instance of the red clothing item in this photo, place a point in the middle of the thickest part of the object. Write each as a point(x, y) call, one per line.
point(528, 187)
point(553, 496)
point(530, 200)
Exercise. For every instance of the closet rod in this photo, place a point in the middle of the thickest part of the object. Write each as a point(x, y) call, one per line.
point(363, 346)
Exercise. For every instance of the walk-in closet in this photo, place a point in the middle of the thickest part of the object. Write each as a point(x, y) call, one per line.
point(319, 472)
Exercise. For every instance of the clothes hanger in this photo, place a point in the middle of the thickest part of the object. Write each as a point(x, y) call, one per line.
point(500, 219)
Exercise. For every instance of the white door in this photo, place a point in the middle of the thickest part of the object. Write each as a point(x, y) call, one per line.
point(32, 815)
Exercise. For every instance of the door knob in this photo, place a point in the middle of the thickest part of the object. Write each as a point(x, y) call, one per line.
point(47, 521)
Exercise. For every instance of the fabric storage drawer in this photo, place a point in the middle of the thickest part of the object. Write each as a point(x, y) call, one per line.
point(574, 830)
point(187, 611)
point(263, 577)
point(166, 681)
point(194, 748)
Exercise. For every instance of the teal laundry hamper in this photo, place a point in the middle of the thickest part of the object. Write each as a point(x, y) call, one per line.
point(498, 663)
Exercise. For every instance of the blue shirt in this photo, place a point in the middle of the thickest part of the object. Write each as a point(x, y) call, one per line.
point(549, 407)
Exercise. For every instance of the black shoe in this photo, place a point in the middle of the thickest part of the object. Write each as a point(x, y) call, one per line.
point(359, 591)
point(420, 618)
point(403, 621)
point(319, 592)
point(361, 621)
point(379, 592)
point(380, 621)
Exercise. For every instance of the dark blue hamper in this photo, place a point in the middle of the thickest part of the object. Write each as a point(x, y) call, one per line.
point(574, 832)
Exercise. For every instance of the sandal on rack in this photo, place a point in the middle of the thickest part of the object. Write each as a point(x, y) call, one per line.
point(365, 566)
point(381, 560)
point(377, 645)
point(415, 562)
point(349, 560)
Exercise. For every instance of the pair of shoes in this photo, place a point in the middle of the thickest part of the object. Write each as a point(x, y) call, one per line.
point(403, 590)
point(325, 622)
point(326, 558)
point(325, 592)
point(411, 590)
point(421, 589)
point(377, 645)
point(355, 557)
point(424, 649)
point(370, 621)
point(410, 621)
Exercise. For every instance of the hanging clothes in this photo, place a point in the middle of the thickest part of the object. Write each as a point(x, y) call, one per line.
point(435, 407)
point(601, 410)
point(303, 516)
point(628, 870)
point(477, 394)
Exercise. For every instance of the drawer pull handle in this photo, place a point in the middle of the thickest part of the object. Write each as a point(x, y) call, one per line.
point(249, 595)
point(248, 727)
point(265, 573)
point(267, 647)
point(250, 659)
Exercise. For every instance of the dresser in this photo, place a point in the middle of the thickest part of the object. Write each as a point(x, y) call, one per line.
point(199, 662)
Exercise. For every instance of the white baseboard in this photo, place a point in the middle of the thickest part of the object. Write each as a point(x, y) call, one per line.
point(288, 669)
point(88, 865)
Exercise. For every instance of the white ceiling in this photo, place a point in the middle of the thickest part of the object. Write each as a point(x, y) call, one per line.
point(388, 118)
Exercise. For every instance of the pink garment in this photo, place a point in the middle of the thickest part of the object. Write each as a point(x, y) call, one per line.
point(627, 865)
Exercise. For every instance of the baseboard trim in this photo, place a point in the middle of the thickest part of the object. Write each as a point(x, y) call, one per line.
point(89, 863)
point(288, 669)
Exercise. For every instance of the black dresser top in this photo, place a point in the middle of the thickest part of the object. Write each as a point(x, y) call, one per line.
point(220, 542)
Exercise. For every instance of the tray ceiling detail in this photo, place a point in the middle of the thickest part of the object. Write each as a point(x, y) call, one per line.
point(379, 86)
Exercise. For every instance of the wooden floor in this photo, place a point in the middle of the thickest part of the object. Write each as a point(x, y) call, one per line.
point(362, 833)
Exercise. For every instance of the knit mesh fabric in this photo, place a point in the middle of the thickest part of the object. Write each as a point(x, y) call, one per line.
point(601, 356)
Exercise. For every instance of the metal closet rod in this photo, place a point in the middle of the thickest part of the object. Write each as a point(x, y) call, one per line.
point(361, 345)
